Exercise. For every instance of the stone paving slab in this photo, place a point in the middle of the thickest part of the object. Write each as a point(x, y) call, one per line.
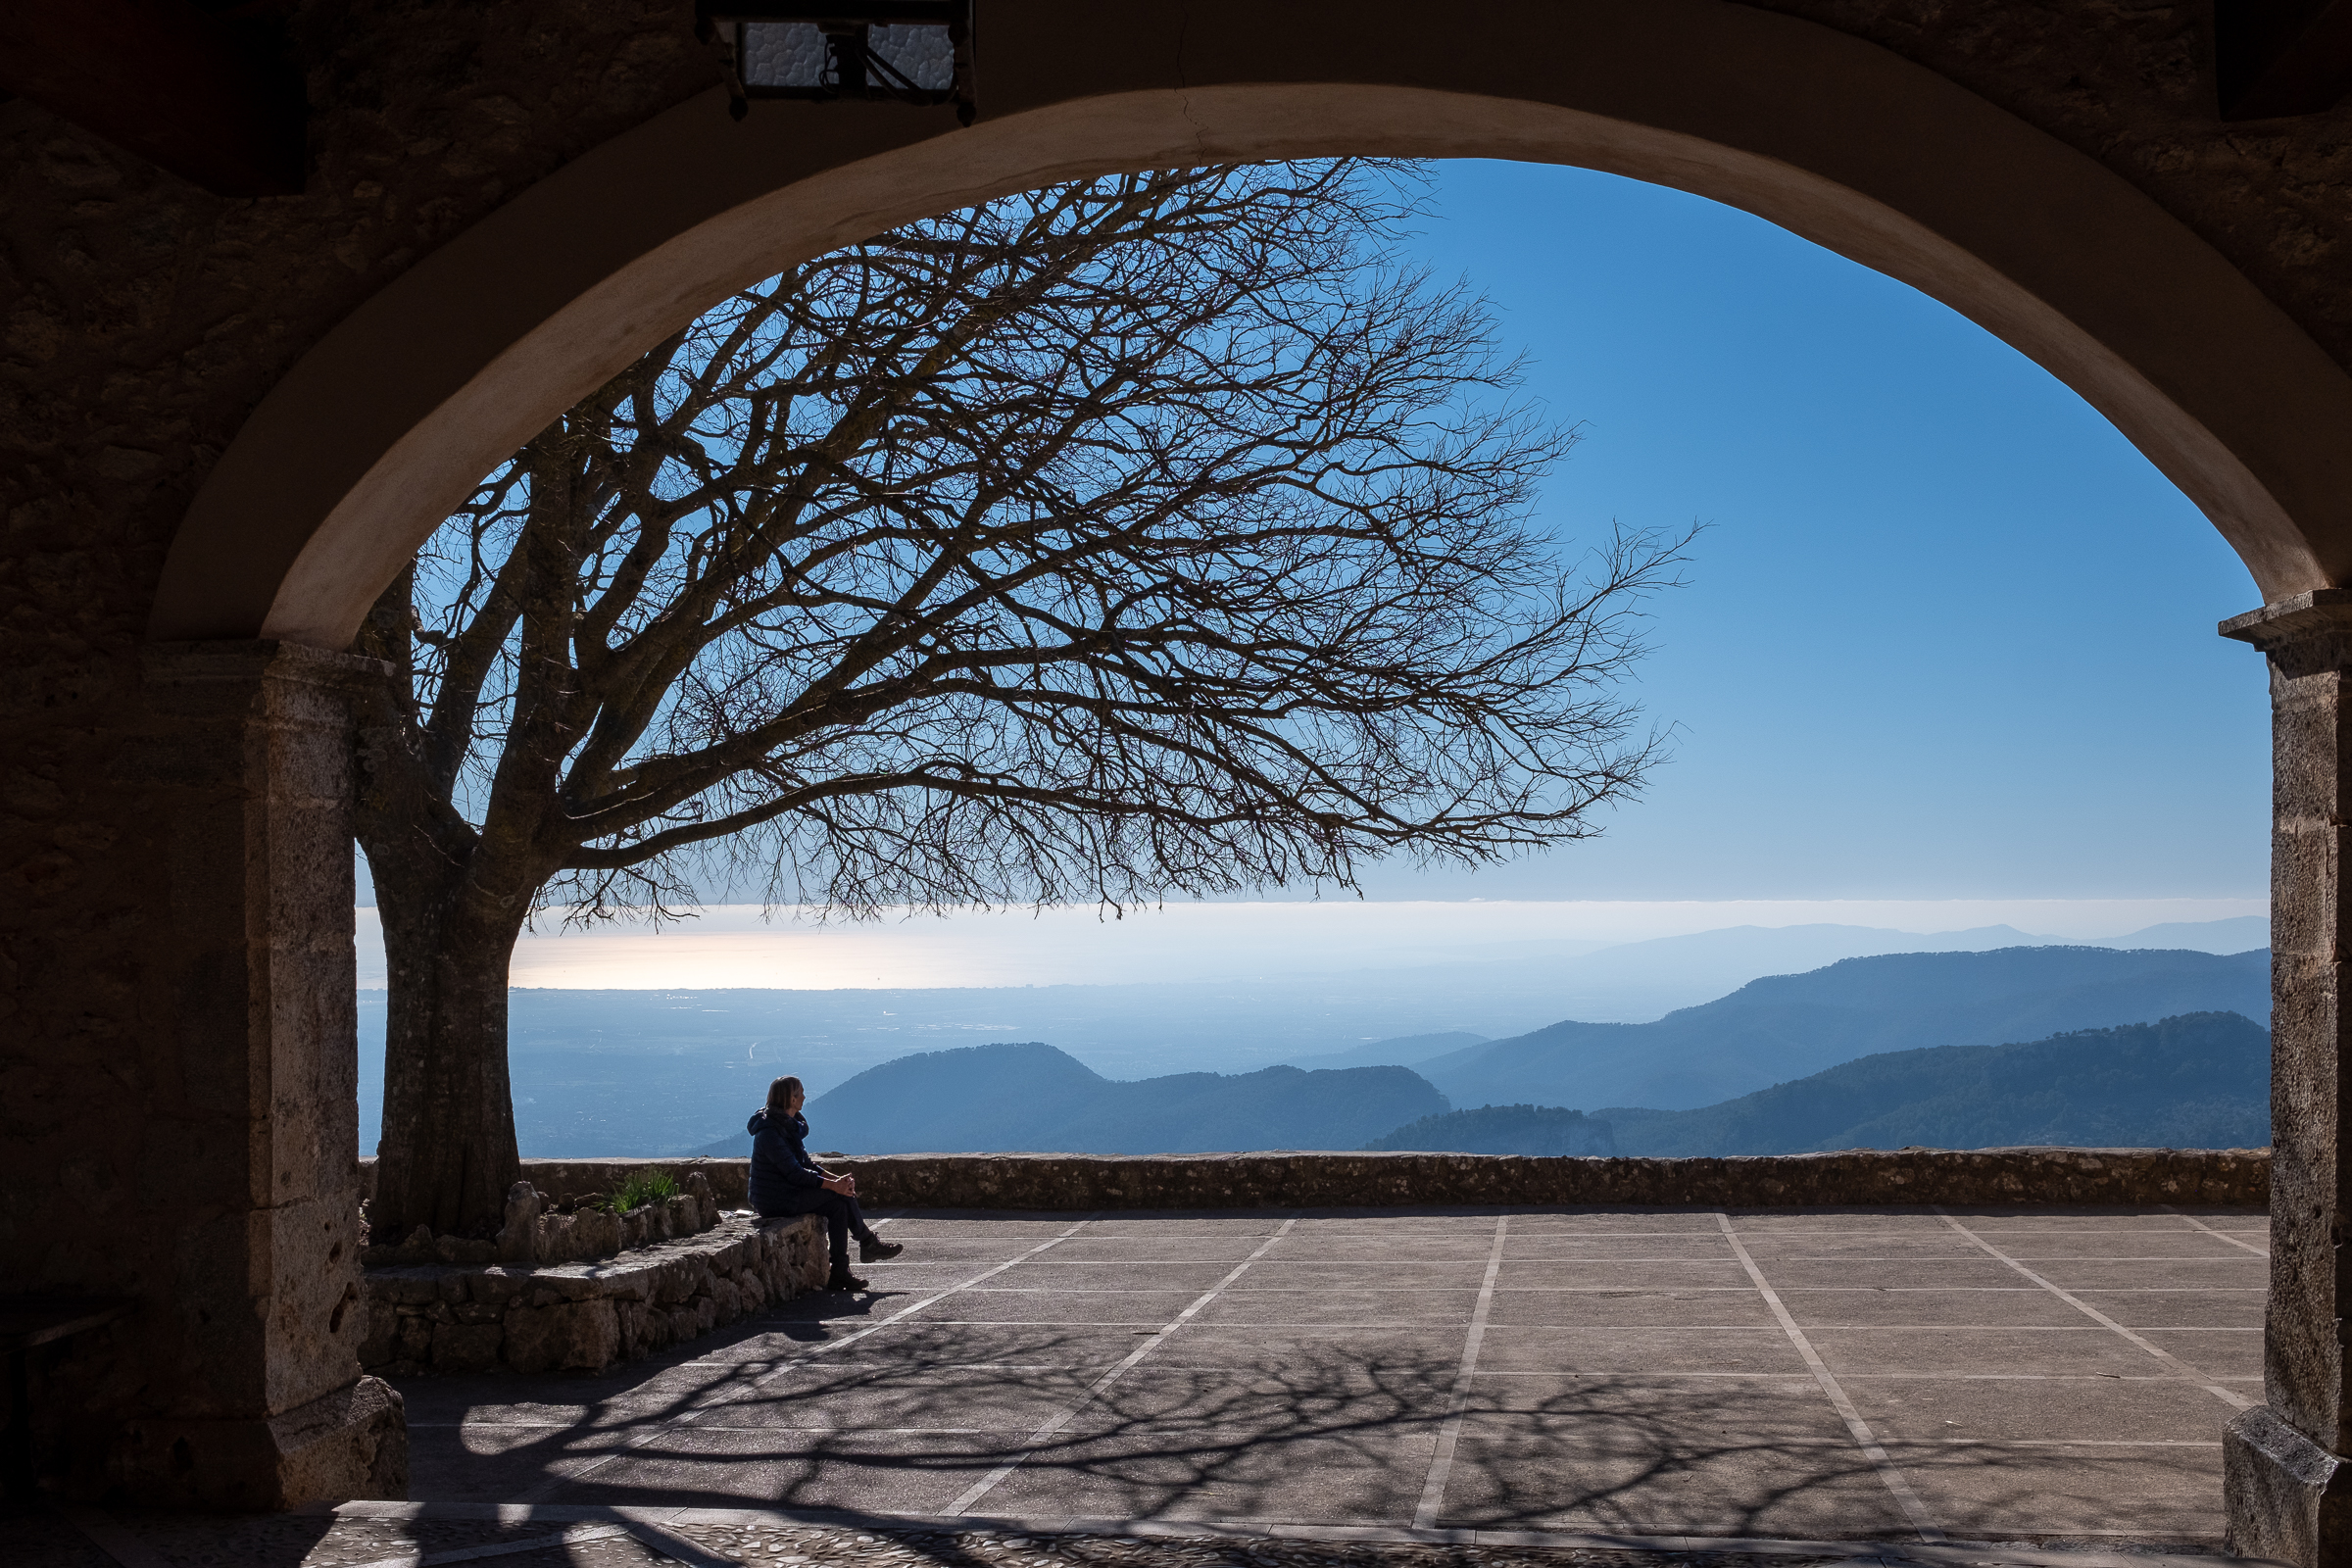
point(543, 1535)
point(1551, 1383)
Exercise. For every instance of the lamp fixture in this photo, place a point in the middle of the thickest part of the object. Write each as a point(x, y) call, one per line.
point(903, 51)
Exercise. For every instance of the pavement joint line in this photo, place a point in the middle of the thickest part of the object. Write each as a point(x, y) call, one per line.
point(1737, 1290)
point(1179, 1427)
point(2219, 1235)
point(1457, 1410)
point(1938, 1554)
point(1394, 1326)
point(1609, 1263)
point(2077, 1257)
point(1036, 1439)
point(574, 1536)
point(1998, 1377)
point(562, 1478)
point(1900, 1489)
point(657, 1532)
point(2183, 1370)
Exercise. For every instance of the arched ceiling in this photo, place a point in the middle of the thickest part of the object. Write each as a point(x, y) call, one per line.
point(376, 433)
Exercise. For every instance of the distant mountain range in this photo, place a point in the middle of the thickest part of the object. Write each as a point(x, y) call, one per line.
point(2198, 1081)
point(1789, 1026)
point(1032, 1097)
point(1402, 1052)
point(1507, 1129)
point(1634, 982)
point(1929, 1027)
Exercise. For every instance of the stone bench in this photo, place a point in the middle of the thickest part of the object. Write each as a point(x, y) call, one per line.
point(586, 1316)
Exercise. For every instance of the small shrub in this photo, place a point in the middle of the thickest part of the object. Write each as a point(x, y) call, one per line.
point(642, 1188)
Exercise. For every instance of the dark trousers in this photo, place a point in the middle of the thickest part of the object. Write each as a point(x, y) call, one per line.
point(843, 1218)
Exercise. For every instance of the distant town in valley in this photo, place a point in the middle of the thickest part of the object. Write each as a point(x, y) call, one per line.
point(1975, 1038)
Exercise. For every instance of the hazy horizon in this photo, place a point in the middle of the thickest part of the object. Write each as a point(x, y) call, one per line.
point(1945, 663)
point(662, 1068)
point(1207, 943)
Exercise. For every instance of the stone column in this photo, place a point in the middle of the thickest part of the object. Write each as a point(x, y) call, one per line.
point(2289, 1491)
point(220, 1145)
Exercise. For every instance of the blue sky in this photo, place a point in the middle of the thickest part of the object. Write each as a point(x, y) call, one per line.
point(1948, 635)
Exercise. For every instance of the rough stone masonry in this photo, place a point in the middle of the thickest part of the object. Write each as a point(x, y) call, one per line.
point(2228, 1178)
point(586, 1316)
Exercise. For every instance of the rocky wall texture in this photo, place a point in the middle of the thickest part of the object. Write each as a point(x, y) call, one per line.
point(2131, 85)
point(141, 318)
point(141, 321)
point(540, 1229)
point(584, 1317)
point(573, 1181)
point(2222, 1178)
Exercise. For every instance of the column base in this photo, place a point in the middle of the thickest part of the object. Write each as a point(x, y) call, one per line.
point(349, 1445)
point(2287, 1499)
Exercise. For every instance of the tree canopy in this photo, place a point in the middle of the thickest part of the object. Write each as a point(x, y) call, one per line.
point(1160, 534)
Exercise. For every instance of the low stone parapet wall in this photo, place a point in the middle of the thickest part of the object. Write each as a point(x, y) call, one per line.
point(585, 1317)
point(2228, 1178)
point(562, 1179)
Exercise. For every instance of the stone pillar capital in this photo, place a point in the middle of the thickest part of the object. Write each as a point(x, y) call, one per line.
point(2318, 623)
point(186, 663)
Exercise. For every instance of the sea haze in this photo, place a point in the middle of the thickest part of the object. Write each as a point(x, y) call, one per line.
point(664, 1072)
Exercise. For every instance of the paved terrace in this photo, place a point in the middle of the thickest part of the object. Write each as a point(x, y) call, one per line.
point(1893, 1376)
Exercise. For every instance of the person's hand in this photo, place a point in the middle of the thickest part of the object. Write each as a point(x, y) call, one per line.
point(846, 1185)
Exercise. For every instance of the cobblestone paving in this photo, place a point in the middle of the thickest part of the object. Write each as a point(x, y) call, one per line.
point(154, 1540)
point(1417, 1388)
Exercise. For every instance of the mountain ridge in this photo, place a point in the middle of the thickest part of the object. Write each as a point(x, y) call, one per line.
point(1028, 1097)
point(1782, 1027)
point(2193, 1080)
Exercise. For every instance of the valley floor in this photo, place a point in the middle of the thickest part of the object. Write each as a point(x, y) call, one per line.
point(1526, 1380)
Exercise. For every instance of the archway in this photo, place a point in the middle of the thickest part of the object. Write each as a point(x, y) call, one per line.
point(363, 447)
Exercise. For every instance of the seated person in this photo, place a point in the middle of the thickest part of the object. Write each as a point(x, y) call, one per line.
point(786, 1181)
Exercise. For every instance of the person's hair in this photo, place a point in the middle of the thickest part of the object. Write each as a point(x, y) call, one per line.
point(780, 1092)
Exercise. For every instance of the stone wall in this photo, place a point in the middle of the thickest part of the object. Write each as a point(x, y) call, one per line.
point(573, 1180)
point(142, 318)
point(2226, 1178)
point(584, 1317)
point(544, 1228)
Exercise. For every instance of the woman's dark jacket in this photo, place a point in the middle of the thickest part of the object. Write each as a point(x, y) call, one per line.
point(780, 1160)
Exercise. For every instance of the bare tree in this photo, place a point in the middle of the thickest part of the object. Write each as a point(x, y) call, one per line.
point(1155, 533)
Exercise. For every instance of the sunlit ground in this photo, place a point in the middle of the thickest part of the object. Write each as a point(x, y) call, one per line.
point(1892, 1374)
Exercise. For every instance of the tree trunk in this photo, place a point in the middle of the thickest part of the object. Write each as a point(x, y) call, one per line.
point(448, 1155)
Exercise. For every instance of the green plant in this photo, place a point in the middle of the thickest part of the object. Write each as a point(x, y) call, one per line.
point(642, 1188)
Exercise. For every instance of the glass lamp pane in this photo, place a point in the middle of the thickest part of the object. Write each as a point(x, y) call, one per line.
point(925, 55)
point(785, 54)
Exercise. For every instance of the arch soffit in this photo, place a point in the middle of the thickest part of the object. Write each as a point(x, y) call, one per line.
point(381, 429)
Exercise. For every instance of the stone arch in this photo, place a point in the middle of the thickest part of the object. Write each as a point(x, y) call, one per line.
point(370, 439)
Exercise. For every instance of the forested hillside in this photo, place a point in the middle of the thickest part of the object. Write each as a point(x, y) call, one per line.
point(1032, 1097)
point(1506, 1130)
point(1787, 1026)
point(2199, 1081)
